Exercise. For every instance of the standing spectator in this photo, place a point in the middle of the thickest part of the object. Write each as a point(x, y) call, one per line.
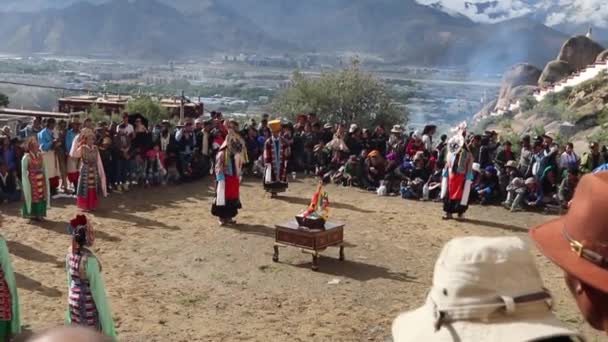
point(47, 141)
point(8, 153)
point(32, 129)
point(327, 135)
point(569, 159)
point(427, 139)
point(505, 155)
point(185, 140)
point(475, 147)
point(9, 191)
point(577, 243)
point(72, 162)
point(525, 157)
point(122, 157)
point(128, 128)
point(61, 154)
point(592, 159)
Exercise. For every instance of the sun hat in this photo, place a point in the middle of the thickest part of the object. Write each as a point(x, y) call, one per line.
point(328, 126)
point(530, 181)
point(484, 289)
point(476, 167)
point(353, 128)
point(578, 241)
point(397, 129)
point(511, 163)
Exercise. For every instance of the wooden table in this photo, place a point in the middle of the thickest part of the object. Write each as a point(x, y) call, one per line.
point(312, 241)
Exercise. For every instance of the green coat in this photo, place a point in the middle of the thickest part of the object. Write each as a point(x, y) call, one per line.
point(98, 289)
point(9, 277)
point(27, 187)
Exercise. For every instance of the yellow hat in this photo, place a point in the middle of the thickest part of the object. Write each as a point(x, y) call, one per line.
point(275, 125)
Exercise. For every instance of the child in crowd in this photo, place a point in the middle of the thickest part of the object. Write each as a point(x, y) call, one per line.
point(155, 169)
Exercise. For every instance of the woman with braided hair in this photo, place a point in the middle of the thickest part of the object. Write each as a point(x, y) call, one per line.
point(228, 171)
point(10, 323)
point(88, 305)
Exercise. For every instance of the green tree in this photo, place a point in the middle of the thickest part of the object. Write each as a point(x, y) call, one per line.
point(346, 96)
point(97, 114)
point(147, 107)
point(3, 100)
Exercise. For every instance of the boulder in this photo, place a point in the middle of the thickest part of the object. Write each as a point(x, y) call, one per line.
point(579, 52)
point(554, 71)
point(519, 75)
point(520, 92)
point(603, 56)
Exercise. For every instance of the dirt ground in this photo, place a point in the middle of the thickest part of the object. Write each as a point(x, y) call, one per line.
point(173, 275)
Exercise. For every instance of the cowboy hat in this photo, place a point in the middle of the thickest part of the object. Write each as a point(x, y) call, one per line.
point(397, 129)
point(484, 289)
point(578, 241)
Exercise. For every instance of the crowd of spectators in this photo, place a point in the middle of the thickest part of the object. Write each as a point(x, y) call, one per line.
point(407, 164)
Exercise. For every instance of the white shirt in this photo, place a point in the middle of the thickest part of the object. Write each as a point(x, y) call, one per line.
point(129, 129)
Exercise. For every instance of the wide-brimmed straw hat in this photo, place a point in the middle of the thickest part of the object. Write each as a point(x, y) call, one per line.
point(511, 163)
point(578, 241)
point(397, 129)
point(484, 289)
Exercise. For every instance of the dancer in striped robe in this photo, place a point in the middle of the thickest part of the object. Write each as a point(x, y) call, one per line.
point(87, 301)
point(276, 155)
point(10, 323)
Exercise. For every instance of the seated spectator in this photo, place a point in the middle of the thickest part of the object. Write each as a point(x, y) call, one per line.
point(414, 146)
point(567, 187)
point(9, 189)
point(526, 195)
point(487, 189)
point(577, 242)
point(155, 169)
point(484, 289)
point(504, 156)
point(375, 169)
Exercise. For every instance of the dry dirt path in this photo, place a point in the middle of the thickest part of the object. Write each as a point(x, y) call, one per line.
point(173, 275)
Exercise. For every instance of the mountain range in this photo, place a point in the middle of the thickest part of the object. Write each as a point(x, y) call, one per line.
point(398, 30)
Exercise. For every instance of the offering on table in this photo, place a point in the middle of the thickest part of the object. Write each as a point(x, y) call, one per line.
point(317, 213)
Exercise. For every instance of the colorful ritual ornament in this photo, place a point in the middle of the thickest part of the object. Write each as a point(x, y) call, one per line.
point(317, 213)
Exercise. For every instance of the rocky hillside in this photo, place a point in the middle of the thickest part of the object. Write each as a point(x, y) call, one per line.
point(578, 114)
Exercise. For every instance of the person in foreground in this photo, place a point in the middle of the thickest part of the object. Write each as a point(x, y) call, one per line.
point(578, 243)
point(10, 323)
point(484, 289)
point(228, 170)
point(70, 334)
point(87, 302)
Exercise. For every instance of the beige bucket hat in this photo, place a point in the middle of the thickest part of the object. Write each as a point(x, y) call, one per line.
point(484, 289)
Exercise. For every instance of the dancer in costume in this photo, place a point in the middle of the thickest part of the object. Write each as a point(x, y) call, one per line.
point(276, 155)
point(10, 323)
point(88, 305)
point(35, 183)
point(92, 179)
point(228, 170)
point(457, 175)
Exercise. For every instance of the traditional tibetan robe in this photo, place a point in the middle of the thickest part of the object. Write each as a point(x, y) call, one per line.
point(45, 138)
point(35, 184)
point(87, 301)
point(227, 201)
point(276, 155)
point(10, 323)
point(92, 179)
point(457, 180)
